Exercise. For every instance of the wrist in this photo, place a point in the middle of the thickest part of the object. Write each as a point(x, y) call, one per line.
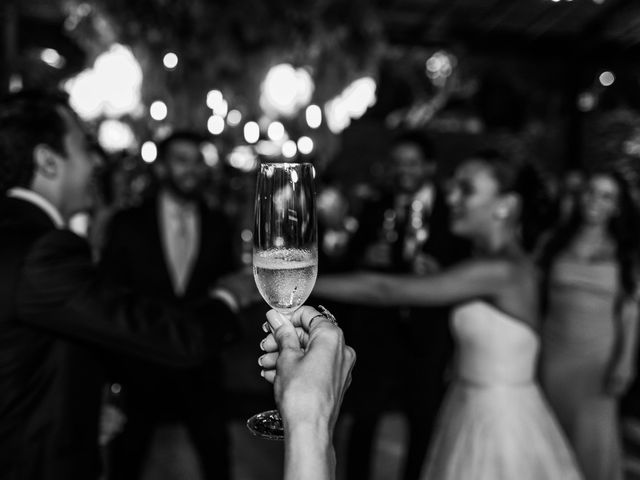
point(316, 430)
point(309, 451)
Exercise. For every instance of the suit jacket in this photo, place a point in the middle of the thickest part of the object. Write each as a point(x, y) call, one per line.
point(134, 256)
point(441, 244)
point(56, 317)
point(418, 340)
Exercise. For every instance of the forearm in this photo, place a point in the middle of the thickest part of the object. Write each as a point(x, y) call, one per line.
point(59, 290)
point(309, 453)
point(629, 332)
point(463, 282)
point(356, 288)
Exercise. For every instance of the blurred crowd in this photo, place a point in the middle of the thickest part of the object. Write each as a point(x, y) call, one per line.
point(401, 225)
point(178, 232)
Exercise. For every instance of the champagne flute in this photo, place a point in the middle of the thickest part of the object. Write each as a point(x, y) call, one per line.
point(285, 251)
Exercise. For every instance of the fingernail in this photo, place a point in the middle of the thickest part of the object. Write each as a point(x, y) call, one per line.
point(265, 327)
point(275, 319)
point(260, 360)
point(262, 344)
point(262, 373)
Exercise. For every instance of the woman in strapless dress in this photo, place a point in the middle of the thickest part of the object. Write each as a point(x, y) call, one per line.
point(495, 423)
point(589, 330)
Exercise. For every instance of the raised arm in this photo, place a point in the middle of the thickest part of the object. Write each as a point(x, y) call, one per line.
point(467, 280)
point(61, 291)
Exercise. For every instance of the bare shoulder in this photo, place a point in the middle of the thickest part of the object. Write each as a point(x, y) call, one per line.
point(519, 295)
point(498, 269)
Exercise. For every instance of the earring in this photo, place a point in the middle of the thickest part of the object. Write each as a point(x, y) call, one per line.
point(501, 213)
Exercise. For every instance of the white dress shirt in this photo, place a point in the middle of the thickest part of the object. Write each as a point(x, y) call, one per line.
point(180, 229)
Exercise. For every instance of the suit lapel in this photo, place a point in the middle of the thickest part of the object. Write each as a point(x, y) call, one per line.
point(157, 242)
point(203, 239)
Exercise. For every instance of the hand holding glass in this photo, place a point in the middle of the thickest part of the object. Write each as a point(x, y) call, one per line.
point(285, 251)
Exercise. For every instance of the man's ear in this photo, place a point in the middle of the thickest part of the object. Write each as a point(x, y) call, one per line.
point(46, 161)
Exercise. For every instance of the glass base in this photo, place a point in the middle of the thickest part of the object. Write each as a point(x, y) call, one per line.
point(267, 425)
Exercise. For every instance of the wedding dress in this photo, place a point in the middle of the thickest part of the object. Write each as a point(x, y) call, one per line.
point(495, 423)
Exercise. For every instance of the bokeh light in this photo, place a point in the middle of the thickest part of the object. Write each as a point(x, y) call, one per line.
point(243, 158)
point(110, 88)
point(352, 103)
point(234, 117)
point(607, 78)
point(158, 110)
point(305, 145)
point(170, 60)
point(115, 136)
point(52, 58)
point(285, 90)
point(214, 98)
point(275, 131)
point(149, 152)
point(313, 115)
point(251, 132)
point(210, 154)
point(215, 124)
point(289, 149)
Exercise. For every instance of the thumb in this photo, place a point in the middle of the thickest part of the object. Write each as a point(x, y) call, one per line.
point(283, 331)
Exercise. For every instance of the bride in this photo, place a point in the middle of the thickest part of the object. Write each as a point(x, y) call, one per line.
point(495, 423)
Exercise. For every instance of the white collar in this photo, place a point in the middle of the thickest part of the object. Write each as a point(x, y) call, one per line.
point(173, 207)
point(39, 201)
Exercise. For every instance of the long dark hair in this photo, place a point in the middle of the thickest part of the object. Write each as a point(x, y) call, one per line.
point(524, 180)
point(623, 228)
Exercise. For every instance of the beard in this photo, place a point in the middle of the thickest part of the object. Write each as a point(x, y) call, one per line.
point(190, 195)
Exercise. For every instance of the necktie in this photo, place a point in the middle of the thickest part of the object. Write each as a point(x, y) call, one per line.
point(181, 251)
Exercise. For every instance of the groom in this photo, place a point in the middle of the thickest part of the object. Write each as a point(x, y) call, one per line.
point(57, 316)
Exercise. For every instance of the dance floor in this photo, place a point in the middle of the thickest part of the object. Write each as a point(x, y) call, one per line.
point(257, 459)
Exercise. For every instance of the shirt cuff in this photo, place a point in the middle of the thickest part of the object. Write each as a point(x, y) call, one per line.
point(226, 297)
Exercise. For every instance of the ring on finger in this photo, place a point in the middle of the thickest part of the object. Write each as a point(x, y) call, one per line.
point(326, 314)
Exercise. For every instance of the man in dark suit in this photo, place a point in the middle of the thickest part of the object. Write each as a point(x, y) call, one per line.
point(404, 229)
point(57, 317)
point(172, 247)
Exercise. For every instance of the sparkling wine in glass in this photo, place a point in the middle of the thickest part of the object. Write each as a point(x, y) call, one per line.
point(285, 251)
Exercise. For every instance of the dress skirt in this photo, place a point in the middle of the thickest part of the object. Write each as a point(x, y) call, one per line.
point(501, 432)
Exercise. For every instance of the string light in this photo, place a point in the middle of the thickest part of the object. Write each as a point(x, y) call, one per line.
point(285, 90)
point(313, 115)
point(275, 131)
point(305, 145)
point(111, 88)
point(170, 60)
point(289, 149)
point(234, 117)
point(52, 58)
point(251, 132)
point(158, 110)
point(215, 124)
point(149, 152)
point(607, 78)
point(214, 98)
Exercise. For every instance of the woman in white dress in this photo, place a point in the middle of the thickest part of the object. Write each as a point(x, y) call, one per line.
point(494, 424)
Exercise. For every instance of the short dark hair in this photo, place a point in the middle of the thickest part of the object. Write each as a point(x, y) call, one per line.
point(27, 119)
point(418, 138)
point(179, 136)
